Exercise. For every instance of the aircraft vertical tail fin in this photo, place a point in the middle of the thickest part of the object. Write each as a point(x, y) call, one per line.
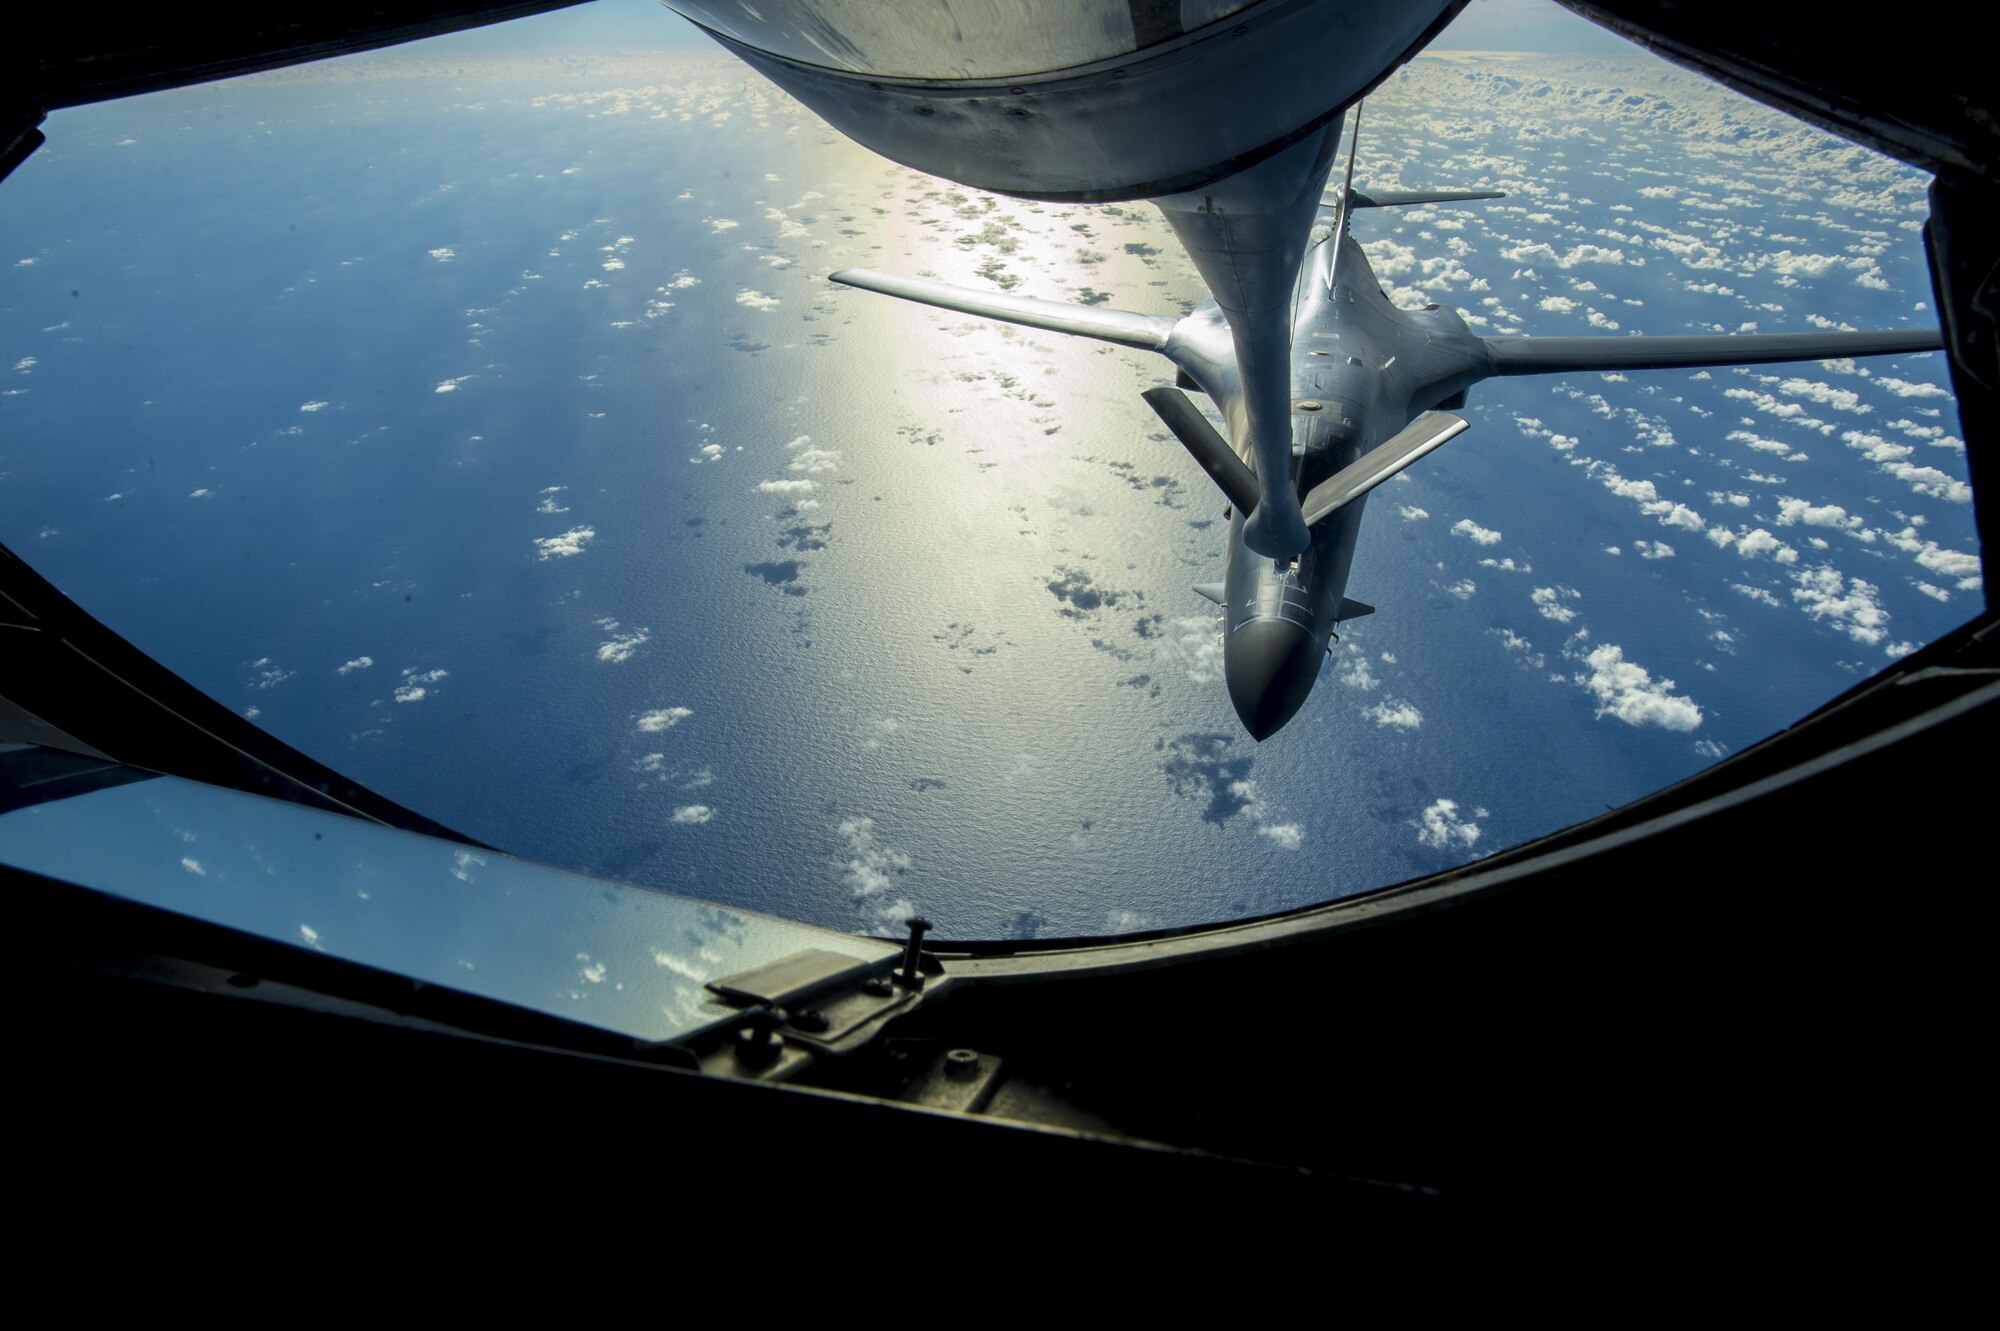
point(1345, 206)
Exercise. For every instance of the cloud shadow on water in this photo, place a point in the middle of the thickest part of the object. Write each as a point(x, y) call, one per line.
point(782, 574)
point(1199, 763)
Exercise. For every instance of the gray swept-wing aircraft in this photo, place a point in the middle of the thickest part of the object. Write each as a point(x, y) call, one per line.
point(1371, 388)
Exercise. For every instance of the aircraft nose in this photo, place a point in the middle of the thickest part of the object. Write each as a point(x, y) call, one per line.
point(1271, 665)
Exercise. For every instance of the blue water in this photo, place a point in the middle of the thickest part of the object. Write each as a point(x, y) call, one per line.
point(963, 672)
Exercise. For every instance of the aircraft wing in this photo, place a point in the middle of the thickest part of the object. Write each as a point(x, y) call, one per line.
point(1147, 332)
point(1395, 198)
point(1555, 355)
point(1415, 440)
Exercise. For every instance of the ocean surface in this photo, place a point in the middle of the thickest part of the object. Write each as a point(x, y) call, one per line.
point(490, 431)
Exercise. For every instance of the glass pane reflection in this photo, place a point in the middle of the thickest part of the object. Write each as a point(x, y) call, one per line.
point(613, 956)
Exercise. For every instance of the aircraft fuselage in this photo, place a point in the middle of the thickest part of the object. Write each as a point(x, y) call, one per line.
point(1361, 369)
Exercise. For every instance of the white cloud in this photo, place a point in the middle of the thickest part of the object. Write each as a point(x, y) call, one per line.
point(1780, 450)
point(1643, 491)
point(1514, 642)
point(1412, 514)
point(786, 487)
point(1794, 511)
point(1198, 645)
point(1288, 836)
point(1849, 603)
point(1673, 515)
point(663, 718)
point(1480, 535)
point(1760, 542)
point(721, 224)
point(312, 406)
point(444, 254)
point(1627, 691)
point(1840, 399)
point(569, 543)
point(413, 688)
point(621, 645)
point(1549, 603)
point(1653, 549)
point(1890, 457)
point(1771, 406)
point(870, 870)
point(1394, 712)
point(358, 663)
point(693, 814)
point(756, 300)
point(1906, 388)
point(1440, 827)
point(816, 460)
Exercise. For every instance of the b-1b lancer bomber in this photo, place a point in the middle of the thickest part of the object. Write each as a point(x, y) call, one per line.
point(1227, 117)
point(1372, 388)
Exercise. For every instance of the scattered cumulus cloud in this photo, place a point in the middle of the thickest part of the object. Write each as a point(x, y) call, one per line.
point(1396, 713)
point(620, 646)
point(1440, 828)
point(1625, 690)
point(1480, 535)
point(1553, 603)
point(416, 684)
point(869, 870)
point(1849, 604)
point(571, 542)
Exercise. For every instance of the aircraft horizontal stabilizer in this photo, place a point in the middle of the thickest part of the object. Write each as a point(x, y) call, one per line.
point(1230, 472)
point(1209, 591)
point(1147, 332)
point(1357, 478)
point(1394, 198)
point(1352, 609)
point(1557, 355)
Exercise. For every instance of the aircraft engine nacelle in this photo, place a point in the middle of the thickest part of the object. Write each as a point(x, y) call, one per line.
point(1085, 101)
